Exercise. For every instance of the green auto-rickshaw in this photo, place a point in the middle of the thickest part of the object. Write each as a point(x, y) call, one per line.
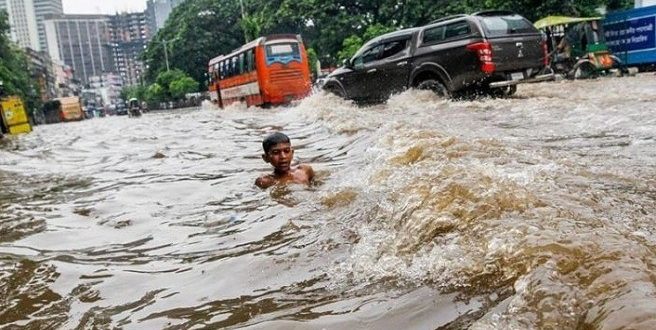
point(577, 47)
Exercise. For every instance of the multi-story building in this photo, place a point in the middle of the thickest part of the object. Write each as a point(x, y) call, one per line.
point(43, 8)
point(81, 41)
point(22, 22)
point(107, 87)
point(158, 12)
point(26, 20)
point(42, 72)
point(66, 83)
point(129, 34)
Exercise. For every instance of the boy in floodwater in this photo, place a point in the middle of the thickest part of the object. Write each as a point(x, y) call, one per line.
point(279, 153)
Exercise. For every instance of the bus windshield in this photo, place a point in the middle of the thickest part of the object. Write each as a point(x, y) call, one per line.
point(282, 53)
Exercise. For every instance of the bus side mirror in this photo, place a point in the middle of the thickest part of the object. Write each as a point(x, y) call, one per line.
point(346, 63)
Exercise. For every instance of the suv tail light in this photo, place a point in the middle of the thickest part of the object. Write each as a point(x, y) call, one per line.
point(484, 52)
point(545, 53)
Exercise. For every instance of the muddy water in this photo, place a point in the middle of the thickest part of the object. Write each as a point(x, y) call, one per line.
point(530, 212)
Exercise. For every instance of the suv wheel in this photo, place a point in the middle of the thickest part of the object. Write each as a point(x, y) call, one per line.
point(434, 85)
point(502, 91)
point(336, 90)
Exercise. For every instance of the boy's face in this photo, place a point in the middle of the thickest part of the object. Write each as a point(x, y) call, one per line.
point(280, 156)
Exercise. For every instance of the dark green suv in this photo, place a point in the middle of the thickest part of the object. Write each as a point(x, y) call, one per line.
point(492, 51)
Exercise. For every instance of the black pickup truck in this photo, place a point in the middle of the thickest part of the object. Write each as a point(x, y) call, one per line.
point(491, 51)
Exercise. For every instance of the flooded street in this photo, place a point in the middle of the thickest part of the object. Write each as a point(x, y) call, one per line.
point(535, 212)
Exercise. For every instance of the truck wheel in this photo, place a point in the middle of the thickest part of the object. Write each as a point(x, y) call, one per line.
point(434, 85)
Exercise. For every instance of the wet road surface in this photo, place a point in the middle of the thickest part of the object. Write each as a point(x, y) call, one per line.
point(530, 212)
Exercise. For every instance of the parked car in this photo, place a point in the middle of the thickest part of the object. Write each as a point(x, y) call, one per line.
point(121, 110)
point(488, 51)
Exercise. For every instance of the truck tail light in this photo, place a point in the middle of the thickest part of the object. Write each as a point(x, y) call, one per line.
point(484, 52)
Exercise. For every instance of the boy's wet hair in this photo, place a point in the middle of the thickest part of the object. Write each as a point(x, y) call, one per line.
point(274, 139)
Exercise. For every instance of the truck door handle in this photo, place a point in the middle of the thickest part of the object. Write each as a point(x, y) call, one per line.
point(372, 71)
point(402, 63)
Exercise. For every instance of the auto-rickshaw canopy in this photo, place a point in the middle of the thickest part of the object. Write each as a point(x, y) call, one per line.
point(562, 20)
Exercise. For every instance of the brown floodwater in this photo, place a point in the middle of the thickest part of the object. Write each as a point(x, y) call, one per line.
point(534, 212)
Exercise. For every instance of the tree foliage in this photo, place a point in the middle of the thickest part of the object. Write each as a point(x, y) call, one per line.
point(170, 85)
point(134, 92)
point(14, 71)
point(199, 30)
point(179, 88)
point(155, 93)
point(195, 32)
point(312, 61)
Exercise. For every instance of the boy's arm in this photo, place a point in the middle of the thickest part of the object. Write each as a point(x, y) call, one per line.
point(264, 181)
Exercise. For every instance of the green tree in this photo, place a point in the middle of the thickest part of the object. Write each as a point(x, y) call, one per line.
point(179, 88)
point(137, 92)
point(312, 61)
point(353, 43)
point(195, 32)
point(349, 47)
point(252, 25)
point(14, 72)
point(164, 79)
point(155, 93)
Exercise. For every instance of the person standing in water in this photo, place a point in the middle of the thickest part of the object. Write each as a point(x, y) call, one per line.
point(279, 153)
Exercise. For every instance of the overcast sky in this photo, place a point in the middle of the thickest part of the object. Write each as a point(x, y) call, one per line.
point(102, 6)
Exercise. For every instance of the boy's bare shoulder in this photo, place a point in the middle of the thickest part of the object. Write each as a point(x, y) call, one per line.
point(265, 181)
point(307, 169)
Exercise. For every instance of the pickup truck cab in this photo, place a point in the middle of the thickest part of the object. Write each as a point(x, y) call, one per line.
point(491, 51)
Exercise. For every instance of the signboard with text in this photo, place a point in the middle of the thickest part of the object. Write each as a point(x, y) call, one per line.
point(631, 35)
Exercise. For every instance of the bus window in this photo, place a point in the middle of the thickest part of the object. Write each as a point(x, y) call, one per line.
point(233, 70)
point(222, 70)
point(241, 63)
point(282, 53)
point(249, 60)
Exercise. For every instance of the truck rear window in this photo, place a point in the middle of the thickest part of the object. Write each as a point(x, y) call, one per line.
point(496, 26)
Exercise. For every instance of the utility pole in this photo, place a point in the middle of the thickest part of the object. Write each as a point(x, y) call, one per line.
point(243, 18)
point(166, 56)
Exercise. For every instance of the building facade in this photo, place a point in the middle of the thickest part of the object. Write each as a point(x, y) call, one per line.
point(158, 11)
point(107, 88)
point(43, 8)
point(26, 20)
point(22, 22)
point(42, 72)
point(66, 83)
point(82, 42)
point(130, 35)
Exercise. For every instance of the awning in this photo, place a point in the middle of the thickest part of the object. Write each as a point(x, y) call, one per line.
point(562, 20)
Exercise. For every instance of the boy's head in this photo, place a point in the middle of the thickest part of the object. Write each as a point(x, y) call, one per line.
point(278, 151)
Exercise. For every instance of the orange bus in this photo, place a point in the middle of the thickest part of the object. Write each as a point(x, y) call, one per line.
point(269, 70)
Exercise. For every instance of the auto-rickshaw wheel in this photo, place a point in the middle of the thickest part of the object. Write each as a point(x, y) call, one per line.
point(585, 70)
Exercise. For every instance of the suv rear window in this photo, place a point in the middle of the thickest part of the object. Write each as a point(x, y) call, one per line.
point(496, 26)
